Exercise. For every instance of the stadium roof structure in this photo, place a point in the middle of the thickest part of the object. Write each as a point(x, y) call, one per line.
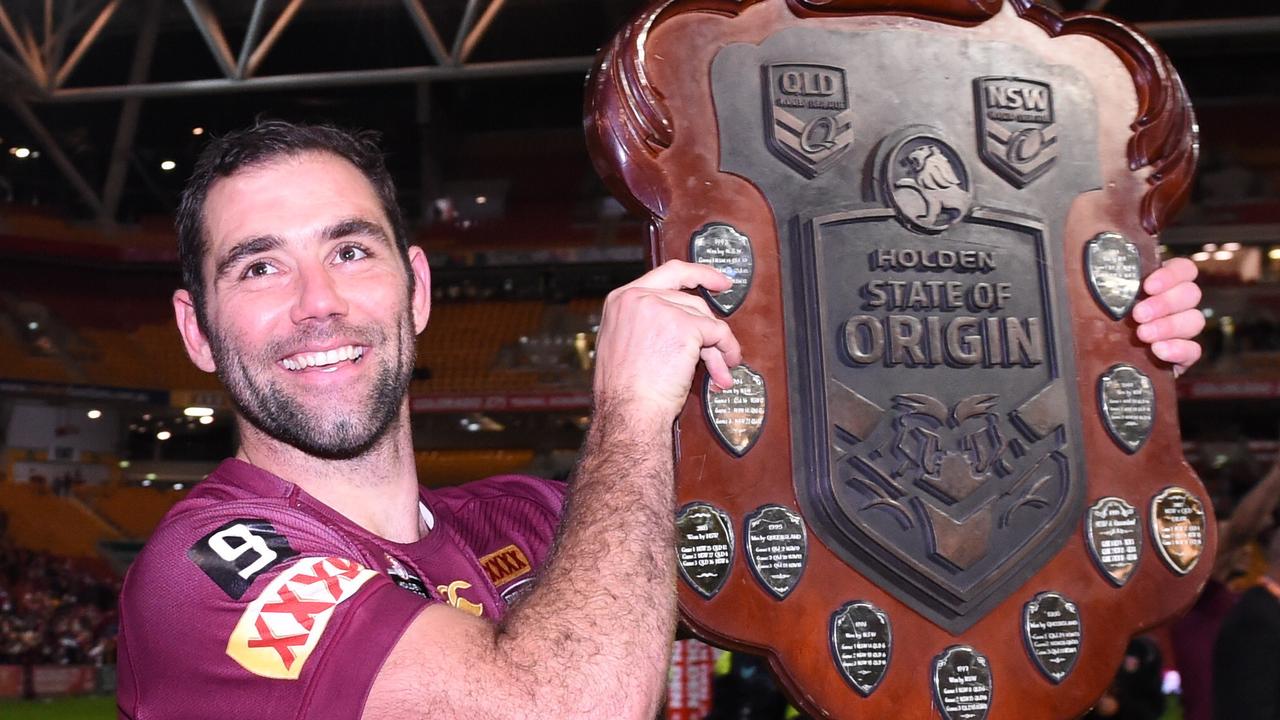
point(108, 88)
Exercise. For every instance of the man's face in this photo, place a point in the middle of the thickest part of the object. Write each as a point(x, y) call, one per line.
point(311, 317)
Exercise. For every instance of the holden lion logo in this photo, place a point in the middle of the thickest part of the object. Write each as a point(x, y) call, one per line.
point(926, 180)
point(808, 117)
point(1016, 133)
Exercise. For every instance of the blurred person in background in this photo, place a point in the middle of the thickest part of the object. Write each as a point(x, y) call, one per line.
point(1194, 634)
point(1136, 692)
point(1246, 656)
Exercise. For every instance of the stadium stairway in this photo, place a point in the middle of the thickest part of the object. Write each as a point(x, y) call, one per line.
point(43, 521)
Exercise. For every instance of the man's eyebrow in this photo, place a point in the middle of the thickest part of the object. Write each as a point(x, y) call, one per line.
point(240, 251)
point(356, 226)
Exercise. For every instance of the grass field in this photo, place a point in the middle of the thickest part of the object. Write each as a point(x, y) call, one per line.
point(85, 708)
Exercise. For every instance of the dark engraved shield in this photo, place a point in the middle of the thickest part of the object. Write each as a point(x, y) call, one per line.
point(737, 414)
point(1113, 531)
point(1115, 272)
point(811, 123)
point(1178, 528)
point(927, 310)
point(704, 547)
point(1128, 405)
point(920, 182)
point(861, 644)
point(962, 683)
point(950, 497)
point(1016, 133)
point(724, 248)
point(777, 548)
point(1051, 631)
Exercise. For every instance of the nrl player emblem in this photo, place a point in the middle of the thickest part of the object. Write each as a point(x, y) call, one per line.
point(1016, 133)
point(808, 117)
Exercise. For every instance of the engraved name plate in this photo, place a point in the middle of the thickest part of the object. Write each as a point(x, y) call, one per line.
point(1115, 272)
point(1177, 528)
point(704, 547)
point(1051, 629)
point(861, 643)
point(962, 683)
point(737, 413)
point(1113, 532)
point(1128, 404)
point(724, 248)
point(777, 547)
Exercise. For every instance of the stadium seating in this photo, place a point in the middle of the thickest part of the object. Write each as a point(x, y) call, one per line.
point(45, 522)
point(134, 510)
point(451, 467)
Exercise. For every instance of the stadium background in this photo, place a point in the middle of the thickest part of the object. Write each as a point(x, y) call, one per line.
point(104, 423)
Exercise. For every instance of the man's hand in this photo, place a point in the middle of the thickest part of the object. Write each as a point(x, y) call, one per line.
point(1168, 318)
point(651, 337)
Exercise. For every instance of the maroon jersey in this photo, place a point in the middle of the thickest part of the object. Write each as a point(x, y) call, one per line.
point(253, 599)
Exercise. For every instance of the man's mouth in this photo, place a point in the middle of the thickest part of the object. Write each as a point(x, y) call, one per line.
point(323, 358)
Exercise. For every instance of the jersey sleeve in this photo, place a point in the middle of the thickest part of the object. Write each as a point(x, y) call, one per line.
point(510, 522)
point(254, 611)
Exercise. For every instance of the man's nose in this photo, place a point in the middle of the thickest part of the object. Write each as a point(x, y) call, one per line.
point(319, 295)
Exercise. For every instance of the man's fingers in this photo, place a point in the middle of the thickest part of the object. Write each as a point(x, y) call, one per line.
point(681, 275)
point(1183, 325)
point(718, 337)
point(1179, 353)
point(684, 299)
point(1174, 271)
point(717, 368)
point(1172, 300)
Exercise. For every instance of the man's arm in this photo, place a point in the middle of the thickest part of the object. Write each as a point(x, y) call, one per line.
point(1249, 517)
point(592, 639)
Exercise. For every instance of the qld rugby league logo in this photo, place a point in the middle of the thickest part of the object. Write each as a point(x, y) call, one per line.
point(1016, 133)
point(809, 123)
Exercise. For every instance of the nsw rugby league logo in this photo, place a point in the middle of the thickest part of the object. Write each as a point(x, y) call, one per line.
point(1016, 133)
point(808, 121)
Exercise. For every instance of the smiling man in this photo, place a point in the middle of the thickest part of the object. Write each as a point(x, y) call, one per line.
point(311, 576)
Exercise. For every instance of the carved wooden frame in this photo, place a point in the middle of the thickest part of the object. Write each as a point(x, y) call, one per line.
point(665, 164)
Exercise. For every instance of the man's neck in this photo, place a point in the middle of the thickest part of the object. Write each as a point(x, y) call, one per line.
point(377, 490)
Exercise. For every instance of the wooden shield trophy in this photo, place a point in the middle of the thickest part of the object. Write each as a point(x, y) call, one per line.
point(948, 480)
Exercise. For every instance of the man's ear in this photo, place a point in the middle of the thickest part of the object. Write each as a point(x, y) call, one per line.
point(184, 311)
point(421, 299)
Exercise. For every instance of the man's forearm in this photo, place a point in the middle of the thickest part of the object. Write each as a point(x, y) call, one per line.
point(604, 604)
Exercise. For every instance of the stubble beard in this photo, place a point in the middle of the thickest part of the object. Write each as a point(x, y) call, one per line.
point(336, 432)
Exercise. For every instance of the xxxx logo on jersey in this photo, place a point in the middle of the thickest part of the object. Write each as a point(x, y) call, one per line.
point(278, 631)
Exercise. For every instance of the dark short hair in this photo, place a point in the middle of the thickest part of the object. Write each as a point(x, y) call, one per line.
point(264, 142)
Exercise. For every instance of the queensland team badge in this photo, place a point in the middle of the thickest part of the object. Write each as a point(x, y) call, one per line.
point(809, 123)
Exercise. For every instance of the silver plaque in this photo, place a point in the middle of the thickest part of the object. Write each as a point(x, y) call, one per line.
point(1051, 629)
point(1113, 532)
point(737, 413)
point(861, 642)
point(1128, 404)
point(962, 683)
point(1115, 272)
point(777, 547)
point(1177, 528)
point(729, 251)
point(704, 547)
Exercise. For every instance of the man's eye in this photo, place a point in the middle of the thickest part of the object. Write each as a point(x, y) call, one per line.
point(347, 253)
point(259, 269)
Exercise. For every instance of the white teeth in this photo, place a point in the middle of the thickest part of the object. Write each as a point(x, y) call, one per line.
point(301, 361)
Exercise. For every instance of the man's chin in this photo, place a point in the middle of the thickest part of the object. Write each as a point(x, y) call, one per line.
point(329, 444)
